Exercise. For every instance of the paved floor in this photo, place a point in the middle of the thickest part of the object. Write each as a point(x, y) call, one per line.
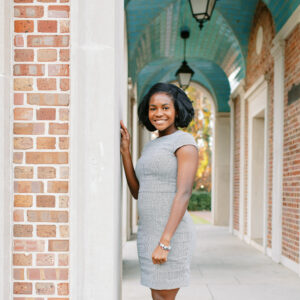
point(223, 268)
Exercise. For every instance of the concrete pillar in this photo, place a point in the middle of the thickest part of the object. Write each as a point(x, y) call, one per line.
point(6, 201)
point(278, 123)
point(220, 208)
point(98, 97)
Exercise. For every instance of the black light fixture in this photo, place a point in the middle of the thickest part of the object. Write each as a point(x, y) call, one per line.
point(202, 10)
point(184, 74)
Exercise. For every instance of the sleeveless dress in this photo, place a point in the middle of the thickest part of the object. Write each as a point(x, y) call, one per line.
point(156, 170)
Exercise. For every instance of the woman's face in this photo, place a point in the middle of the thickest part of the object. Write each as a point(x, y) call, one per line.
point(161, 111)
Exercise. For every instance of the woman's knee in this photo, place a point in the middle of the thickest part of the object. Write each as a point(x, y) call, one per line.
point(164, 294)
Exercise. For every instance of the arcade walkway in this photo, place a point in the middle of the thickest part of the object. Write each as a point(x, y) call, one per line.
point(224, 268)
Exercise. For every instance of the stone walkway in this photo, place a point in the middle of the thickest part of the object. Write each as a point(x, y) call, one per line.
point(223, 268)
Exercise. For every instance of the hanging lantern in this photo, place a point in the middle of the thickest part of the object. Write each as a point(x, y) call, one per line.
point(202, 10)
point(184, 74)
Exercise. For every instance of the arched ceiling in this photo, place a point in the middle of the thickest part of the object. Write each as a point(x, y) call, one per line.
point(155, 49)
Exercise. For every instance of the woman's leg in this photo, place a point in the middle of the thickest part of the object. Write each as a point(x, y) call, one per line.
point(164, 294)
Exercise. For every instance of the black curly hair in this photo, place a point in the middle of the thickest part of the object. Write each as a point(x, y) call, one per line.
point(183, 105)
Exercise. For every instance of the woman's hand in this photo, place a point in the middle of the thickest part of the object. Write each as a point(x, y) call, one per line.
point(125, 138)
point(159, 255)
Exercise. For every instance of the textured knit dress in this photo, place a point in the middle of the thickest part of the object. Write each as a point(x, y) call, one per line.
point(156, 170)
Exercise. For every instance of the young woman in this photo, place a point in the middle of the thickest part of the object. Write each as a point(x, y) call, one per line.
point(162, 183)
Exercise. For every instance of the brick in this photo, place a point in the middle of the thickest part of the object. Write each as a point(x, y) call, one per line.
point(28, 11)
point(29, 128)
point(24, 26)
point(64, 26)
point(24, 1)
point(24, 55)
point(18, 274)
point(48, 99)
point(64, 84)
point(46, 114)
point(23, 288)
point(23, 143)
point(63, 143)
point(58, 11)
point(48, 40)
point(17, 157)
point(18, 41)
point(46, 230)
point(44, 288)
point(29, 70)
point(63, 288)
point(46, 84)
point(21, 230)
point(18, 99)
point(64, 231)
point(63, 259)
point(23, 84)
point(46, 142)
point(23, 200)
point(46, 172)
point(58, 128)
point(19, 215)
point(45, 201)
point(64, 55)
point(55, 216)
point(46, 157)
point(58, 245)
point(23, 172)
point(63, 172)
point(47, 26)
point(58, 70)
point(22, 259)
point(45, 259)
point(47, 273)
point(63, 201)
point(57, 186)
point(47, 55)
point(23, 113)
point(63, 114)
point(46, 1)
point(28, 187)
point(29, 245)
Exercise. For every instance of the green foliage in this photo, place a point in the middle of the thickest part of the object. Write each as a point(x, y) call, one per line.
point(200, 200)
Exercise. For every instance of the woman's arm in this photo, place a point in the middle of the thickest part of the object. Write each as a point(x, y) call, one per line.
point(132, 180)
point(187, 157)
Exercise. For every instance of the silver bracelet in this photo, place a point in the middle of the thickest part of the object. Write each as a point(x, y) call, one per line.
point(168, 248)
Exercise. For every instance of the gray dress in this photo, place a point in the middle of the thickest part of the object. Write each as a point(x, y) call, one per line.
point(156, 171)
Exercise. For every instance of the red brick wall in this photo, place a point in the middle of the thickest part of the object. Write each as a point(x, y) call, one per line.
point(246, 171)
point(236, 175)
point(258, 65)
point(291, 156)
point(41, 149)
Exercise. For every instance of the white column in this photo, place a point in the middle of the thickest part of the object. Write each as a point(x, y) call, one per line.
point(6, 201)
point(278, 122)
point(231, 191)
point(98, 96)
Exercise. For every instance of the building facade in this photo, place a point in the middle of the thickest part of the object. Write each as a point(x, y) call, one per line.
point(71, 70)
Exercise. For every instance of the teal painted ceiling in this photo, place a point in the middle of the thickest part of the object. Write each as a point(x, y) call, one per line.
point(155, 49)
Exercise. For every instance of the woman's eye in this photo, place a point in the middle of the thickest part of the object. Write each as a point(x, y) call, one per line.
point(166, 107)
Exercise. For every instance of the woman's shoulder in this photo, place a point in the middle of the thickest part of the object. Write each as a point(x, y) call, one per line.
point(185, 138)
